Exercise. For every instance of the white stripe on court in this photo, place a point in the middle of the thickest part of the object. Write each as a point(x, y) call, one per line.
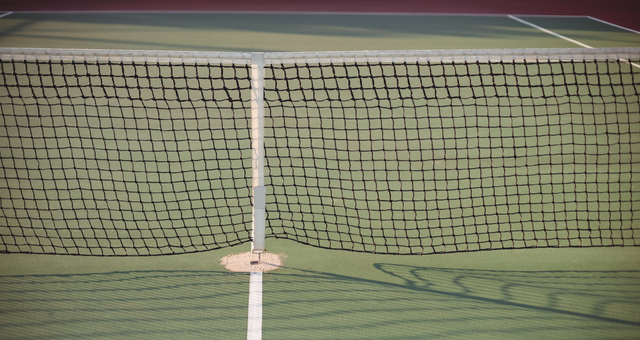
point(254, 324)
point(614, 25)
point(549, 32)
point(562, 36)
point(4, 15)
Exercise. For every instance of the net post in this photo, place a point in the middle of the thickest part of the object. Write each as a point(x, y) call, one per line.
point(257, 152)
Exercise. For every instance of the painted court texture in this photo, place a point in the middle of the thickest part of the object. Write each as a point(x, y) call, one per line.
point(582, 293)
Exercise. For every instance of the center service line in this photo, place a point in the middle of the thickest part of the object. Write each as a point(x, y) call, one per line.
point(254, 325)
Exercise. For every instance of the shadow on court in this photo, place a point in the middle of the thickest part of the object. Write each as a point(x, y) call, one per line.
point(125, 305)
point(422, 302)
point(285, 32)
point(398, 302)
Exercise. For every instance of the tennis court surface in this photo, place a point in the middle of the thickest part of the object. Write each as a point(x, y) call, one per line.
point(508, 177)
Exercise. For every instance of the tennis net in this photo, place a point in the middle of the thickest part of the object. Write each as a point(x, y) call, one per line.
point(408, 152)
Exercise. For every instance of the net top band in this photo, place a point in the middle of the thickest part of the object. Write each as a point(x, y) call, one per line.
point(489, 55)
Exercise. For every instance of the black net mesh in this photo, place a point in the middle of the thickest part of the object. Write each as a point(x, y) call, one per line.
point(117, 158)
point(419, 158)
point(149, 158)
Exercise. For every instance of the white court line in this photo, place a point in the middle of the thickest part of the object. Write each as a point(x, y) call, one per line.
point(4, 15)
point(549, 32)
point(614, 25)
point(254, 324)
point(562, 36)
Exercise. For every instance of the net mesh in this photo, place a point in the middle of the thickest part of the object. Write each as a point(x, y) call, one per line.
point(415, 158)
point(116, 157)
point(401, 157)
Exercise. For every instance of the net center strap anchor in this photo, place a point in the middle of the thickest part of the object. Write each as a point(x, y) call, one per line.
point(255, 258)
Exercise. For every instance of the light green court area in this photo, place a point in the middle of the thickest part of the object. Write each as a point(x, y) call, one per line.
point(297, 32)
point(327, 294)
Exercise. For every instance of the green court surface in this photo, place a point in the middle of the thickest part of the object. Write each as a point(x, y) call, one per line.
point(327, 294)
point(580, 293)
point(297, 32)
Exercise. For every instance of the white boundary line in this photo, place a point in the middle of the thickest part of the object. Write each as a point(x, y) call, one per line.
point(254, 322)
point(563, 37)
point(549, 32)
point(614, 25)
point(4, 15)
point(549, 16)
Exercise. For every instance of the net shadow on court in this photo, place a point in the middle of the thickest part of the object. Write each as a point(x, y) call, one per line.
point(124, 305)
point(454, 303)
point(383, 300)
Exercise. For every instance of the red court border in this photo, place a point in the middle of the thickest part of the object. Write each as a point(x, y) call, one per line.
point(625, 13)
